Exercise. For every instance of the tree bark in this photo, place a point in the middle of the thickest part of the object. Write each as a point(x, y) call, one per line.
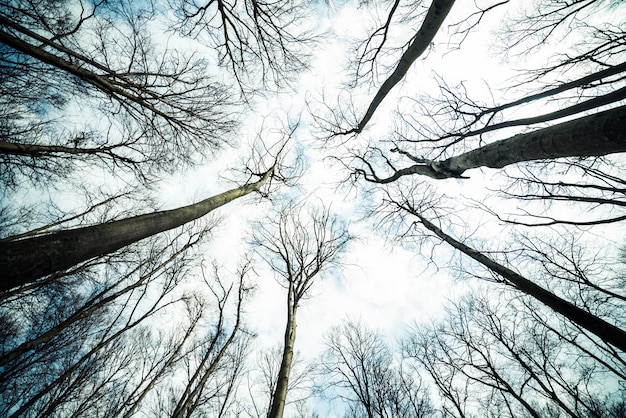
point(595, 135)
point(600, 328)
point(34, 150)
point(282, 384)
point(437, 13)
point(24, 261)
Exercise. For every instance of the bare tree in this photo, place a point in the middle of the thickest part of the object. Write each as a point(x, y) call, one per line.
point(443, 136)
point(359, 365)
point(595, 135)
point(262, 378)
point(61, 373)
point(260, 42)
point(117, 353)
point(45, 342)
point(604, 330)
point(155, 106)
point(507, 364)
point(433, 20)
point(220, 350)
point(299, 246)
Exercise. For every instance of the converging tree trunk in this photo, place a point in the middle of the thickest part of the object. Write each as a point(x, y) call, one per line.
point(282, 383)
point(24, 261)
point(595, 135)
point(599, 134)
point(297, 248)
point(605, 331)
point(437, 13)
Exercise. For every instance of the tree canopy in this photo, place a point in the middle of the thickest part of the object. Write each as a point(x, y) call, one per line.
point(168, 169)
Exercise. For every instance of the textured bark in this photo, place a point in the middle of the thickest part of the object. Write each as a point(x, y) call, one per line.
point(605, 331)
point(24, 261)
point(599, 134)
point(595, 135)
point(282, 384)
point(34, 150)
point(437, 13)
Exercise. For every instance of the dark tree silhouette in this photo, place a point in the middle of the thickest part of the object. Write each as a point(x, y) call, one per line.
point(496, 360)
point(361, 368)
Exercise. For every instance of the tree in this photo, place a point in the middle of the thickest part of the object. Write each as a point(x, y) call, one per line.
point(359, 365)
point(262, 379)
point(496, 360)
point(155, 106)
point(213, 354)
point(447, 135)
point(270, 39)
point(595, 135)
point(458, 122)
point(58, 373)
point(433, 20)
point(114, 355)
point(96, 304)
point(602, 329)
point(299, 246)
point(25, 260)
point(108, 312)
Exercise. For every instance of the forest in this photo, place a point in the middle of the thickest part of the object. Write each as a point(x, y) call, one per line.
point(313, 208)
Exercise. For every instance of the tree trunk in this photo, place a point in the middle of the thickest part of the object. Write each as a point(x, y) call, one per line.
point(282, 384)
point(595, 135)
point(603, 330)
point(24, 261)
point(35, 150)
point(437, 12)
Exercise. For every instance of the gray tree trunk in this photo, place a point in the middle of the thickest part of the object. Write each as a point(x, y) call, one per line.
point(24, 261)
point(437, 12)
point(599, 134)
point(595, 135)
point(603, 330)
point(282, 384)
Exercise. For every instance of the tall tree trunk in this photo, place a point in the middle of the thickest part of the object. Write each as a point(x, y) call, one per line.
point(595, 135)
point(437, 12)
point(606, 332)
point(34, 150)
point(599, 134)
point(282, 384)
point(24, 261)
